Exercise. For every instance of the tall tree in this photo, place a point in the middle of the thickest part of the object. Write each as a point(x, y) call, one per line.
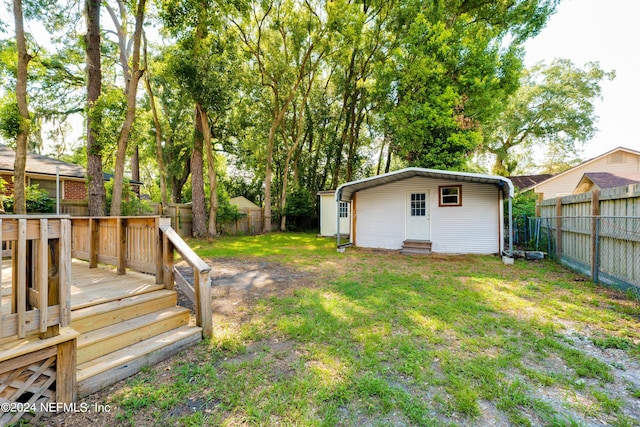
point(287, 44)
point(96, 191)
point(553, 108)
point(22, 136)
point(456, 65)
point(135, 73)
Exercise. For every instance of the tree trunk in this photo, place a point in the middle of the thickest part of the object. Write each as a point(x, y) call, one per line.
point(123, 139)
point(159, 150)
point(213, 189)
point(197, 179)
point(95, 177)
point(19, 197)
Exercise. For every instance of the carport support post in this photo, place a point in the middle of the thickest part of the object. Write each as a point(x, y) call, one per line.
point(510, 226)
point(338, 221)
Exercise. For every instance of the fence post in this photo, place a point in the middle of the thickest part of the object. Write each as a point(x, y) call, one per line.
point(558, 228)
point(595, 232)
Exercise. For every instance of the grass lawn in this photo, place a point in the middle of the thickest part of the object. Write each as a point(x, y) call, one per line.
point(382, 339)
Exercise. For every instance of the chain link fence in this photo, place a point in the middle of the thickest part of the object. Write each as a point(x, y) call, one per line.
point(606, 248)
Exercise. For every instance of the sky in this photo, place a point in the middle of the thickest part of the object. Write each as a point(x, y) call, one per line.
point(606, 31)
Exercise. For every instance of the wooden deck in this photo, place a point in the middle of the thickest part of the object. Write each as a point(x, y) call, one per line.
point(90, 286)
point(70, 325)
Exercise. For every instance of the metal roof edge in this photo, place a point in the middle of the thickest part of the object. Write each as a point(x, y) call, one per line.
point(424, 172)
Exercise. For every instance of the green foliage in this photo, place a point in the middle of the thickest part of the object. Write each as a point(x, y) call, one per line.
point(107, 117)
point(131, 204)
point(301, 209)
point(10, 118)
point(37, 201)
point(524, 204)
point(554, 108)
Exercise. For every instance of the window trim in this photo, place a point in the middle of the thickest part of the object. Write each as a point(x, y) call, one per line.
point(341, 210)
point(440, 196)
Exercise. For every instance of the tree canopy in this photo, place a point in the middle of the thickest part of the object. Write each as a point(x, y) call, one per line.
point(278, 99)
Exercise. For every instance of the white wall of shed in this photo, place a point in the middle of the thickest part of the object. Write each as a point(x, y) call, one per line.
point(328, 215)
point(470, 228)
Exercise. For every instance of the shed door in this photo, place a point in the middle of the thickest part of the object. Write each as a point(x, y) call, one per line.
point(418, 216)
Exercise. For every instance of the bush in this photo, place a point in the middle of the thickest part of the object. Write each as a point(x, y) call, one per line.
point(131, 204)
point(38, 201)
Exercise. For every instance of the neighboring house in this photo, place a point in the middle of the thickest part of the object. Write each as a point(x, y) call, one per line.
point(329, 215)
point(617, 161)
point(524, 182)
point(243, 203)
point(447, 212)
point(602, 180)
point(41, 170)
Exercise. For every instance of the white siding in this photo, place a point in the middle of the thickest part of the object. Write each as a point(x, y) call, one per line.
point(564, 184)
point(328, 217)
point(470, 228)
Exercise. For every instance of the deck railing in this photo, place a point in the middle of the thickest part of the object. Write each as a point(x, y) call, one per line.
point(146, 244)
point(200, 292)
point(125, 242)
point(37, 297)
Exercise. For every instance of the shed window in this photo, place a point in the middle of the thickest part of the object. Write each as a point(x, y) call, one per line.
point(418, 204)
point(450, 195)
point(344, 210)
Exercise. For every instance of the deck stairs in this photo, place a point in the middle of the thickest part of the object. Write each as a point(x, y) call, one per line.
point(416, 247)
point(120, 333)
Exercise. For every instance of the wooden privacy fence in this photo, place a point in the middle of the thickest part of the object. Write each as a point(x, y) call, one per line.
point(146, 244)
point(598, 233)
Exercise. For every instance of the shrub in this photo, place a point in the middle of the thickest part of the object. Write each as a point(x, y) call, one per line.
point(38, 201)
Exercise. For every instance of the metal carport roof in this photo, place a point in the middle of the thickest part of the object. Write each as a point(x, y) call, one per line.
point(345, 192)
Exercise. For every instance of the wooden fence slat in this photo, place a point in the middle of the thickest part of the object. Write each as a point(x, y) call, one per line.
point(43, 274)
point(1, 253)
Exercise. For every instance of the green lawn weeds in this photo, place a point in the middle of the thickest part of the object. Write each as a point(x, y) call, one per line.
point(383, 339)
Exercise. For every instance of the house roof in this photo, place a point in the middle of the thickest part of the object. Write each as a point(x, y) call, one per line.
point(611, 180)
point(243, 202)
point(38, 164)
point(522, 182)
point(586, 162)
point(345, 191)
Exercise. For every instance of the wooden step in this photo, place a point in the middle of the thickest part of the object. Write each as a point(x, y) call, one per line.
point(100, 342)
point(417, 244)
point(102, 315)
point(118, 365)
point(416, 247)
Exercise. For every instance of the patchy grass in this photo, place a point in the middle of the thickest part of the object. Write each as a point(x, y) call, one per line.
point(382, 339)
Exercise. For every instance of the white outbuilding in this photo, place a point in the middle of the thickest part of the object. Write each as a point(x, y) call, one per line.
point(423, 210)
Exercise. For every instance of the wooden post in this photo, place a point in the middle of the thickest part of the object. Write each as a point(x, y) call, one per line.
point(159, 255)
point(64, 272)
point(42, 274)
point(66, 372)
point(121, 249)
point(20, 274)
point(204, 315)
point(1, 284)
point(558, 228)
point(94, 242)
point(595, 213)
point(167, 250)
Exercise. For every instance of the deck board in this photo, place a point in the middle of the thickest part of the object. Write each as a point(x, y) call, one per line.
point(89, 286)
